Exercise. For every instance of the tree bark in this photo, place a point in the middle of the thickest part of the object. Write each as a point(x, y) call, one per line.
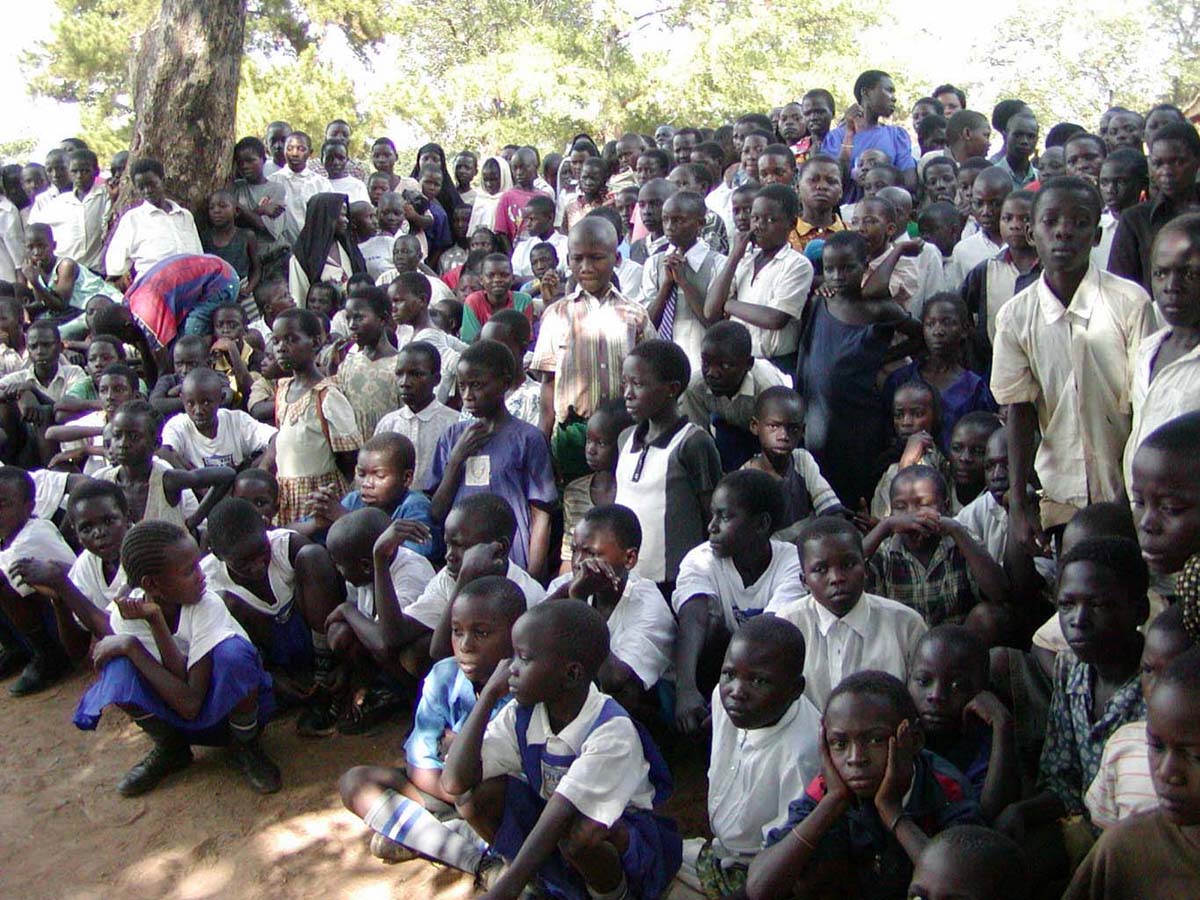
point(185, 80)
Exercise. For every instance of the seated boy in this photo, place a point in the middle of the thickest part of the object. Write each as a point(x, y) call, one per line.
point(81, 440)
point(927, 560)
point(205, 434)
point(641, 629)
point(726, 581)
point(261, 490)
point(778, 423)
point(27, 396)
point(232, 356)
point(421, 417)
point(582, 818)
point(406, 807)
point(189, 352)
point(970, 861)
point(764, 753)
point(845, 630)
point(879, 799)
point(964, 723)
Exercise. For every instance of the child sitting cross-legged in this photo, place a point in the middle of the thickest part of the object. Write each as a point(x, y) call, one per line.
point(970, 861)
point(764, 753)
point(406, 808)
point(581, 819)
point(860, 826)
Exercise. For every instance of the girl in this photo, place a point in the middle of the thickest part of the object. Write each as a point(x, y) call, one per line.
point(318, 436)
point(915, 417)
point(363, 368)
point(215, 691)
point(446, 194)
point(495, 178)
point(844, 342)
point(437, 235)
point(944, 326)
point(599, 487)
point(324, 250)
point(579, 149)
point(237, 246)
point(383, 157)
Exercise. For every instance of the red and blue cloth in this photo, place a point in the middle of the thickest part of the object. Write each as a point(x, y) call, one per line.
point(180, 293)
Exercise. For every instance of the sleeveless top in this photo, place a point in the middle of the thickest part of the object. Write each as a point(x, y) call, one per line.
point(280, 574)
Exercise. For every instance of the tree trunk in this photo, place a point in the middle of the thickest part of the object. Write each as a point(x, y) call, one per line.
point(185, 81)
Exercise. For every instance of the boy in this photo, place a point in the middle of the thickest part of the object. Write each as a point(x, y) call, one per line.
point(81, 438)
point(1020, 141)
point(583, 817)
point(1123, 182)
point(667, 467)
point(641, 629)
point(299, 183)
point(1164, 497)
point(967, 457)
point(537, 228)
point(231, 354)
point(880, 798)
point(420, 417)
point(939, 180)
point(675, 280)
point(413, 316)
point(845, 630)
point(405, 808)
point(891, 269)
point(651, 197)
point(593, 192)
point(510, 210)
point(79, 215)
point(29, 394)
point(189, 352)
point(764, 753)
point(497, 294)
point(926, 560)
point(988, 193)
point(204, 434)
point(970, 862)
point(259, 488)
point(941, 225)
point(721, 395)
point(1072, 313)
point(150, 231)
point(968, 136)
point(524, 394)
point(992, 282)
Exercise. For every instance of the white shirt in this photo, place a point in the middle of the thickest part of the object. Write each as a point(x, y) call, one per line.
point(1108, 230)
point(877, 633)
point(630, 274)
point(753, 774)
point(987, 521)
point(931, 278)
point(609, 774)
point(410, 573)
point(422, 428)
point(702, 264)
point(354, 189)
point(50, 488)
point(146, 235)
point(12, 240)
point(78, 225)
point(87, 574)
point(702, 572)
point(97, 418)
point(202, 626)
point(1174, 391)
point(377, 254)
point(641, 629)
point(281, 575)
point(67, 376)
point(429, 606)
point(298, 187)
point(782, 284)
point(520, 255)
point(720, 201)
point(968, 253)
point(37, 539)
point(448, 346)
point(438, 289)
point(239, 436)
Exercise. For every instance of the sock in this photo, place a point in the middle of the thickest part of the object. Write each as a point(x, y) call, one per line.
point(409, 823)
point(320, 642)
point(244, 727)
point(620, 892)
point(323, 660)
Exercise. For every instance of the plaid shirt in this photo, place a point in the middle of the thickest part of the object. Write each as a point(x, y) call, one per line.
point(1074, 743)
point(942, 591)
point(583, 341)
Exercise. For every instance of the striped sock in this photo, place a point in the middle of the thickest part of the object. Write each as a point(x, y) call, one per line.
point(244, 727)
point(409, 823)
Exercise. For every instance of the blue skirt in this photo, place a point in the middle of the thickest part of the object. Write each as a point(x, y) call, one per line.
point(236, 672)
point(650, 861)
point(290, 646)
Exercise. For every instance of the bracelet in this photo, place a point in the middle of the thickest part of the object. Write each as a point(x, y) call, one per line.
point(802, 839)
point(896, 821)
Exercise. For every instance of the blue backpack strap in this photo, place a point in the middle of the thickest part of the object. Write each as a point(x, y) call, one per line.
point(531, 763)
point(660, 773)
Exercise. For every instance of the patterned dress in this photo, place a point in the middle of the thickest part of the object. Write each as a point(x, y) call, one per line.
point(370, 386)
point(311, 430)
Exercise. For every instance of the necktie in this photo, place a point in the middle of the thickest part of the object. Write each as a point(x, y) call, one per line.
point(666, 326)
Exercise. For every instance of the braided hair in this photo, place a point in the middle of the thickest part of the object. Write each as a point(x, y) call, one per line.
point(1187, 585)
point(144, 549)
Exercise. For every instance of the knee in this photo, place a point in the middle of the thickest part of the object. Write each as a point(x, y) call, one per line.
point(341, 639)
point(583, 837)
point(350, 784)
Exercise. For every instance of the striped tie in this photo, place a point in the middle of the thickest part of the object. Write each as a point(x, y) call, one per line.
point(667, 325)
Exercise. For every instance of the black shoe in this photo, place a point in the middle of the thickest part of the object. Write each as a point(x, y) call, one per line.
point(378, 706)
point(41, 672)
point(320, 719)
point(259, 769)
point(12, 660)
point(164, 759)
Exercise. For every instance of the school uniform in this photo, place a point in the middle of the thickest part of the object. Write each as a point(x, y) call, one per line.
point(701, 265)
point(447, 698)
point(968, 253)
point(435, 594)
point(727, 419)
point(146, 235)
point(606, 766)
point(783, 284)
point(37, 539)
point(1123, 786)
point(298, 187)
point(423, 428)
point(50, 492)
point(520, 256)
point(12, 240)
point(987, 287)
point(410, 573)
point(641, 629)
point(661, 481)
point(1173, 392)
point(65, 378)
point(239, 436)
point(78, 225)
point(87, 574)
point(703, 573)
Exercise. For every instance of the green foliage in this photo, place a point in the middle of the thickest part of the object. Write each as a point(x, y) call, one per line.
point(18, 150)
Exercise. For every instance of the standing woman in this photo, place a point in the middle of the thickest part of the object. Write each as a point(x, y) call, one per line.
point(324, 250)
point(495, 177)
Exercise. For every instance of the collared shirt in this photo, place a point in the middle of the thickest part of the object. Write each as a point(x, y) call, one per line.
point(422, 428)
point(931, 278)
point(1019, 181)
point(78, 224)
point(782, 283)
point(804, 234)
point(447, 698)
point(1130, 255)
point(583, 341)
point(64, 379)
point(448, 346)
point(435, 597)
point(520, 256)
point(753, 774)
point(942, 590)
point(298, 187)
point(1103, 250)
point(702, 573)
point(877, 633)
point(1074, 742)
point(701, 405)
point(904, 281)
point(1122, 785)
point(416, 505)
point(987, 521)
point(968, 253)
point(1174, 391)
point(701, 264)
point(988, 286)
point(12, 240)
point(1046, 353)
point(146, 235)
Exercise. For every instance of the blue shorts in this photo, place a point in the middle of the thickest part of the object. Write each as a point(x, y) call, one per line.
point(290, 646)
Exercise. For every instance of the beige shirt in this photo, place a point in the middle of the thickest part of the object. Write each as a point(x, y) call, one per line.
point(1073, 363)
point(146, 235)
point(782, 284)
point(1174, 391)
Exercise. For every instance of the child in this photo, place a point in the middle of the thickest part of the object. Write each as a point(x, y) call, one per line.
point(260, 201)
point(599, 487)
point(939, 180)
point(970, 861)
point(537, 227)
point(215, 692)
point(420, 417)
point(495, 452)
point(941, 225)
point(189, 352)
point(1030, 372)
point(964, 723)
point(1101, 599)
point(231, 355)
point(891, 270)
point(927, 560)
point(721, 396)
point(1163, 494)
point(510, 209)
point(593, 192)
point(546, 285)
point(416, 320)
point(335, 158)
point(403, 806)
point(968, 457)
point(29, 394)
point(237, 246)
point(915, 412)
point(258, 488)
point(1124, 180)
point(764, 753)
point(271, 297)
point(81, 439)
point(363, 370)
point(61, 286)
point(318, 434)
point(641, 629)
point(103, 350)
point(497, 294)
point(820, 193)
point(667, 467)
point(39, 646)
point(993, 281)
point(1020, 141)
point(582, 820)
point(1156, 848)
point(651, 197)
point(734, 576)
point(204, 434)
point(524, 394)
point(299, 184)
point(988, 192)
point(880, 798)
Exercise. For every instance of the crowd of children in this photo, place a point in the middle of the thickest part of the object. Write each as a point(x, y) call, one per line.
point(858, 471)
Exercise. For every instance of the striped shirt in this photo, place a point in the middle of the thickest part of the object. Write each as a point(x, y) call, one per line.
point(1123, 785)
point(582, 342)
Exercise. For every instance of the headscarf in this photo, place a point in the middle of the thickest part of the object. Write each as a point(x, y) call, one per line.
point(448, 197)
point(483, 210)
point(319, 233)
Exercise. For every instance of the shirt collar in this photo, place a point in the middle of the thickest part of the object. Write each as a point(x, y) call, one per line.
point(1079, 305)
point(424, 415)
point(855, 620)
point(695, 255)
point(638, 442)
point(758, 737)
point(575, 732)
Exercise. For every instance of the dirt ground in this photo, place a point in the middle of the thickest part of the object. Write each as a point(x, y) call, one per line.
point(65, 833)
